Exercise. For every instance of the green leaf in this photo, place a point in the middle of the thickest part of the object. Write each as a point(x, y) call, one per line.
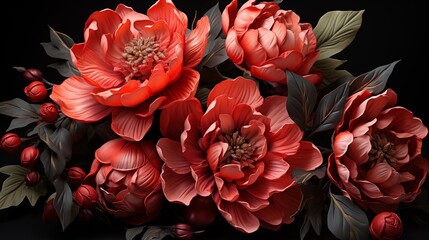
point(215, 19)
point(346, 220)
point(131, 233)
point(332, 77)
point(336, 30)
point(157, 233)
point(374, 81)
point(14, 190)
point(20, 123)
point(57, 48)
point(330, 109)
point(66, 209)
point(313, 204)
point(52, 164)
point(217, 55)
point(19, 108)
point(301, 100)
point(301, 176)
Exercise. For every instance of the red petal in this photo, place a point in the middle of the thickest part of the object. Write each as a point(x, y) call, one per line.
point(127, 158)
point(183, 88)
point(171, 153)
point(241, 89)
point(274, 108)
point(286, 140)
point(359, 149)
point(165, 10)
point(238, 216)
point(178, 188)
point(230, 172)
point(245, 18)
point(75, 99)
point(128, 125)
point(233, 49)
point(228, 15)
point(228, 191)
point(190, 140)
point(204, 182)
point(308, 157)
point(342, 142)
point(268, 41)
point(221, 104)
point(381, 172)
point(269, 72)
point(226, 123)
point(275, 166)
point(104, 21)
point(251, 202)
point(264, 188)
point(215, 154)
point(196, 43)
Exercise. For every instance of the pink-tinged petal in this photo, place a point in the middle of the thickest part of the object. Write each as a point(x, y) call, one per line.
point(127, 13)
point(190, 139)
point(381, 172)
point(158, 30)
point(172, 119)
point(228, 16)
point(291, 43)
point(393, 179)
point(308, 157)
point(220, 105)
point(251, 174)
point(245, 19)
point(226, 123)
point(75, 99)
point(112, 97)
point(196, 43)
point(204, 181)
point(178, 188)
point(370, 189)
point(230, 172)
point(129, 157)
point(342, 142)
point(406, 125)
point(254, 53)
point(279, 29)
point(275, 166)
point(251, 202)
point(95, 167)
point(359, 149)
point(144, 181)
point(352, 103)
point(242, 114)
point(175, 57)
point(227, 191)
point(269, 72)
point(164, 10)
point(233, 49)
point(114, 46)
point(147, 108)
point(106, 152)
point(241, 89)
point(215, 154)
point(171, 153)
point(351, 166)
point(183, 88)
point(128, 125)
point(104, 21)
point(264, 188)
point(274, 108)
point(96, 69)
point(395, 191)
point(254, 133)
point(308, 62)
point(291, 17)
point(286, 140)
point(406, 177)
point(102, 174)
point(238, 216)
point(268, 41)
point(363, 128)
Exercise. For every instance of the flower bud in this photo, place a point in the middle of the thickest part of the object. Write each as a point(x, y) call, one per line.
point(75, 176)
point(36, 91)
point(29, 157)
point(49, 212)
point(10, 142)
point(48, 112)
point(201, 212)
point(183, 231)
point(33, 74)
point(85, 196)
point(32, 178)
point(386, 225)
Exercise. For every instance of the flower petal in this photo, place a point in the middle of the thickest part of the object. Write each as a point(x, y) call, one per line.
point(238, 216)
point(228, 15)
point(233, 49)
point(128, 125)
point(171, 153)
point(183, 88)
point(308, 157)
point(274, 108)
point(196, 43)
point(178, 188)
point(269, 72)
point(342, 142)
point(164, 10)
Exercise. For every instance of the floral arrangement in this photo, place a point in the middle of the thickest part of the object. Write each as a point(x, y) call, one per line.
point(166, 126)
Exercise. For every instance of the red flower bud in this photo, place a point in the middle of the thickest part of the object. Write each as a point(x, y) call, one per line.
point(75, 176)
point(183, 231)
point(48, 112)
point(33, 74)
point(10, 142)
point(29, 157)
point(85, 196)
point(201, 212)
point(49, 212)
point(36, 91)
point(32, 178)
point(386, 226)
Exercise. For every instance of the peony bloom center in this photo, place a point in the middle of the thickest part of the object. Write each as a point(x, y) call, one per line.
point(239, 150)
point(141, 54)
point(382, 151)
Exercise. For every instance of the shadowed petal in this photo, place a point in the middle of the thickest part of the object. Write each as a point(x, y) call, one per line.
point(171, 153)
point(128, 125)
point(178, 188)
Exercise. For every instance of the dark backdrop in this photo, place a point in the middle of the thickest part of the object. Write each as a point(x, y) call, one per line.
point(391, 30)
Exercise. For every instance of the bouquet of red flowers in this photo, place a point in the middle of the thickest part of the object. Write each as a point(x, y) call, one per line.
point(167, 125)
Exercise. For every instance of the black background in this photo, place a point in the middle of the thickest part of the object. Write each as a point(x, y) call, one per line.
point(391, 30)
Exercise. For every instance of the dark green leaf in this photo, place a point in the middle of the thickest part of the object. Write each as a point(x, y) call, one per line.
point(14, 170)
point(65, 68)
point(57, 48)
point(346, 220)
point(157, 233)
point(63, 203)
point(217, 55)
point(301, 100)
point(20, 123)
point(35, 192)
point(313, 204)
point(330, 109)
point(331, 76)
point(53, 165)
point(59, 141)
point(131, 233)
point(301, 176)
point(336, 30)
point(374, 81)
point(215, 19)
point(68, 41)
point(19, 108)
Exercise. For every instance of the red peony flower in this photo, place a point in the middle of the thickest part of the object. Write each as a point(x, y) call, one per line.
point(267, 40)
point(241, 152)
point(127, 177)
point(386, 226)
point(133, 64)
point(377, 158)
